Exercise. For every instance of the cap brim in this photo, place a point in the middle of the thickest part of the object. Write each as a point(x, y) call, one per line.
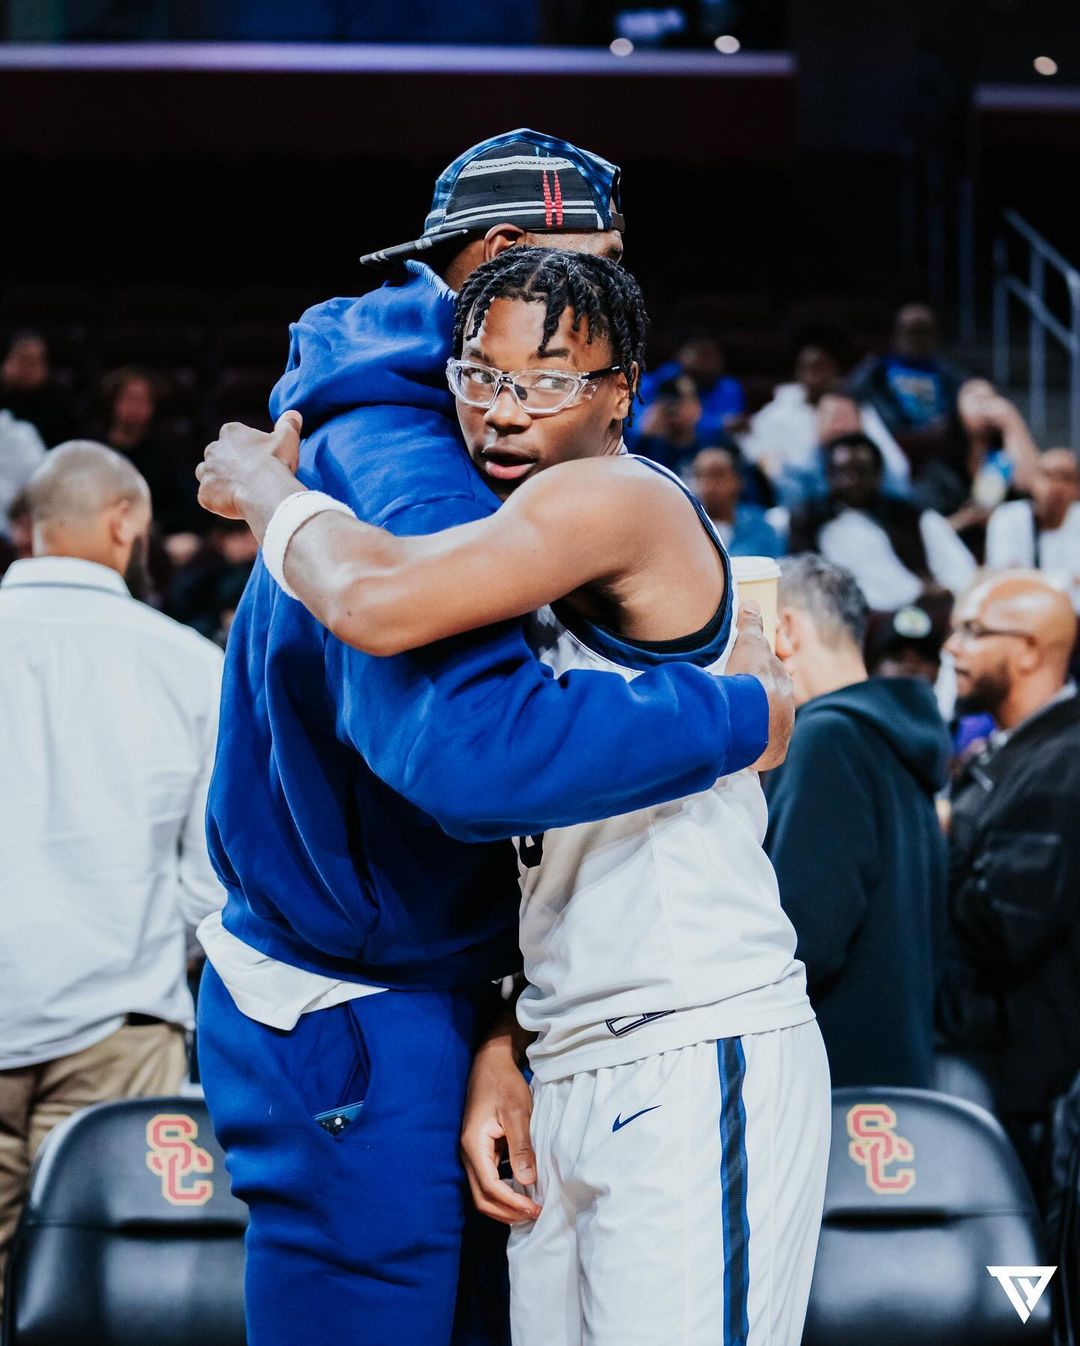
point(401, 252)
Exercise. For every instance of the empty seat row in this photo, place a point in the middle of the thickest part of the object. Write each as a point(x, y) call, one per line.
point(131, 1235)
point(34, 304)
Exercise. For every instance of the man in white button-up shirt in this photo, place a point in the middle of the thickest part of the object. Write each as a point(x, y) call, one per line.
point(108, 721)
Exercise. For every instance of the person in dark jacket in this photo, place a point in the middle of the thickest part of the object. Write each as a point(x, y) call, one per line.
point(854, 837)
point(1011, 996)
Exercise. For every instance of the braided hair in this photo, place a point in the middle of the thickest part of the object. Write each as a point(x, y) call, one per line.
point(606, 296)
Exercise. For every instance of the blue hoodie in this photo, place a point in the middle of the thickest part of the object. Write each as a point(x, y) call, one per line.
point(342, 780)
point(860, 860)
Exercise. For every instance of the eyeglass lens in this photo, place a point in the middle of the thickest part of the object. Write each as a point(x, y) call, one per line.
point(535, 389)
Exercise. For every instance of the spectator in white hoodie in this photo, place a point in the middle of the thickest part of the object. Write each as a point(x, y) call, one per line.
point(1042, 533)
point(785, 436)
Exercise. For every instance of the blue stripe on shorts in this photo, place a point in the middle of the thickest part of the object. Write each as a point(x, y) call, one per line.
point(731, 1064)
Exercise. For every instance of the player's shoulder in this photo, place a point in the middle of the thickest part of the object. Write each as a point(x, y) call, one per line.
point(608, 482)
point(607, 497)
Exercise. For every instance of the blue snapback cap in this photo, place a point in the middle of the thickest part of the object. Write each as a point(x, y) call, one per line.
point(540, 183)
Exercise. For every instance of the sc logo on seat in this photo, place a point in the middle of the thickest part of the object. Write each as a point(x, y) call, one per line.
point(175, 1158)
point(876, 1146)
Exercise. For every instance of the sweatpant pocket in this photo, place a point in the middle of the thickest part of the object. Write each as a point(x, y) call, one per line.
point(345, 1106)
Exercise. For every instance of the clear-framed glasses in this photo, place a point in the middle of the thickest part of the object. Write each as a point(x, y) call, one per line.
point(539, 392)
point(971, 632)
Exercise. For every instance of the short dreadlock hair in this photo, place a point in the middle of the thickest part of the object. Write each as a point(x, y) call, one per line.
point(606, 296)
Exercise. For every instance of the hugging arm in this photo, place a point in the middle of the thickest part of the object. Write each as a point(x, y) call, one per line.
point(474, 730)
point(384, 593)
point(477, 732)
point(381, 593)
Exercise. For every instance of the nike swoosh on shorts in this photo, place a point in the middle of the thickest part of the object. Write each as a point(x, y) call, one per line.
point(618, 1123)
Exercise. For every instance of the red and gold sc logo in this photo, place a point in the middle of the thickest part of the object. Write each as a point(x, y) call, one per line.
point(876, 1146)
point(176, 1159)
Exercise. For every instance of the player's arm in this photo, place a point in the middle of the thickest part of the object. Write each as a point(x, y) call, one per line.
point(383, 594)
point(572, 524)
point(495, 1123)
point(476, 732)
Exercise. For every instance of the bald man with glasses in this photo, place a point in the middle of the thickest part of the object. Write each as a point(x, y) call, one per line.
point(1010, 996)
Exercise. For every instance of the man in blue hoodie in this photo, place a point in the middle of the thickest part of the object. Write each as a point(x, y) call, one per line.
point(347, 972)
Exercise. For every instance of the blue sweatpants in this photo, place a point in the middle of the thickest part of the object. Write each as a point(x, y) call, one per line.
point(356, 1232)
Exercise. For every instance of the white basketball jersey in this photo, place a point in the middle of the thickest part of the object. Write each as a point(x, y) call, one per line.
point(659, 928)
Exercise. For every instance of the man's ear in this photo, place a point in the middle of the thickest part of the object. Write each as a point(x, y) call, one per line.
point(125, 522)
point(635, 379)
point(788, 632)
point(120, 522)
point(500, 237)
point(625, 389)
point(1028, 657)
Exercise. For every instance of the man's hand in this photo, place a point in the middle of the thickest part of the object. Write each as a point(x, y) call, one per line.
point(837, 415)
point(982, 408)
point(751, 654)
point(238, 453)
point(495, 1126)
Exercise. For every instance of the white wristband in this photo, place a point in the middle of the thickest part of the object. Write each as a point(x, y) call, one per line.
point(293, 512)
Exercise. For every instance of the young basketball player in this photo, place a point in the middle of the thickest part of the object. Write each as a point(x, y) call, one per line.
point(681, 1110)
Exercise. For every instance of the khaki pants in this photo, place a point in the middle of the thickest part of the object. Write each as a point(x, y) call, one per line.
point(133, 1062)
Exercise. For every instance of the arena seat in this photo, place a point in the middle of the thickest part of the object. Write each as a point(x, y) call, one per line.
point(750, 352)
point(960, 1077)
point(242, 395)
point(720, 312)
point(1066, 1216)
point(255, 345)
point(131, 1235)
point(163, 303)
point(269, 303)
point(153, 345)
point(924, 1193)
point(29, 305)
point(1063, 1208)
point(758, 389)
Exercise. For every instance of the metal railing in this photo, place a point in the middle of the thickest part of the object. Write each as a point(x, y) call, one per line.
point(1032, 295)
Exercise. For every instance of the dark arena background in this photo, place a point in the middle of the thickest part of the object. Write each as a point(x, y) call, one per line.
point(854, 228)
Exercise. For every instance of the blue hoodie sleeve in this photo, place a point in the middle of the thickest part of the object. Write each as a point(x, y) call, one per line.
point(480, 734)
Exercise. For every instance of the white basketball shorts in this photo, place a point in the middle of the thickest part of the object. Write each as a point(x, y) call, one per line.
point(681, 1196)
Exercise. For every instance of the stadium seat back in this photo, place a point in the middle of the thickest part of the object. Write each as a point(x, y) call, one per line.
point(924, 1194)
point(1063, 1208)
point(960, 1077)
point(131, 1235)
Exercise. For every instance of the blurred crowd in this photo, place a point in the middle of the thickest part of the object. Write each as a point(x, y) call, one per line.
point(197, 565)
point(899, 466)
point(923, 826)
